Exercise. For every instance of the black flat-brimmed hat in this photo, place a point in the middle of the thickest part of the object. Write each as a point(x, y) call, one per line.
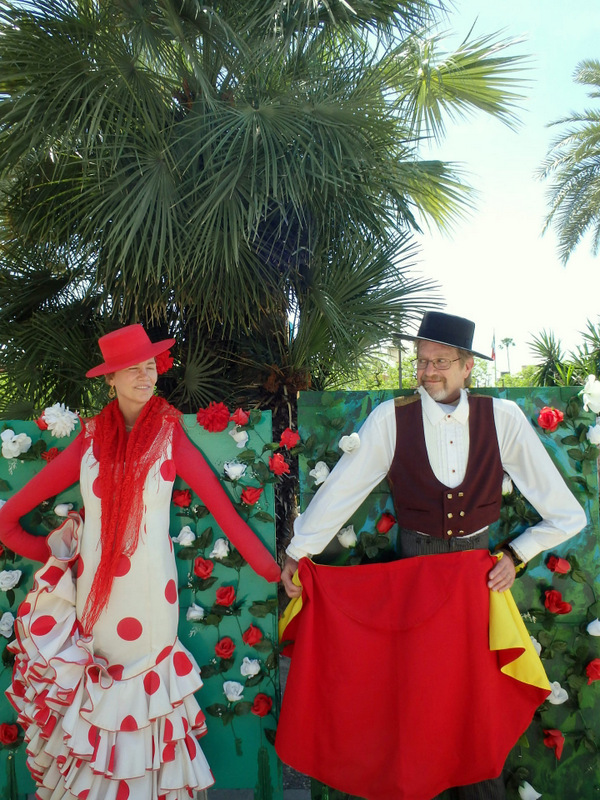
point(447, 329)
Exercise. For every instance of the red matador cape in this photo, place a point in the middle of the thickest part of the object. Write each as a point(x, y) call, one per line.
point(406, 678)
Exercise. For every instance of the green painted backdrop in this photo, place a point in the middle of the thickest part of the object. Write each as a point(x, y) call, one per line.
point(238, 744)
point(566, 646)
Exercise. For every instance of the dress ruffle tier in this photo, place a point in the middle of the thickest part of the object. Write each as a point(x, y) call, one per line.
point(92, 734)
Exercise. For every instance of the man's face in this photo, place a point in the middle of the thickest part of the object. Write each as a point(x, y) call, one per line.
point(442, 385)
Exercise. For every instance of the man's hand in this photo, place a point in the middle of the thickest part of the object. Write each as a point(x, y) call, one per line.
point(287, 573)
point(502, 576)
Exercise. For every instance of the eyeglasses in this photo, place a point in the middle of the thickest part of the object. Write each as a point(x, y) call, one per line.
point(438, 363)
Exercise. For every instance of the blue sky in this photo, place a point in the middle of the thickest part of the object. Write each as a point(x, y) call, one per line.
point(496, 267)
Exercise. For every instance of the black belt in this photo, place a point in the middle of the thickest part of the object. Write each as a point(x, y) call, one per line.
point(411, 543)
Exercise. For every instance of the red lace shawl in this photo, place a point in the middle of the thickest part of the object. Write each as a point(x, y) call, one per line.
point(124, 461)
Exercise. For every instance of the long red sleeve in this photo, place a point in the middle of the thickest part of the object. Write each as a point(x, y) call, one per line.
point(193, 469)
point(54, 478)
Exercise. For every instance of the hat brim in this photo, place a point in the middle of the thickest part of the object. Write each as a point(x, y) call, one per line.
point(153, 349)
point(448, 344)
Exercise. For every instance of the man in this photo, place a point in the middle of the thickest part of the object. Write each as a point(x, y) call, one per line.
point(444, 455)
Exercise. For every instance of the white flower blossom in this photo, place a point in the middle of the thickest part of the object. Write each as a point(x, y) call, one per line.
point(507, 484)
point(14, 444)
point(537, 646)
point(593, 432)
point(527, 792)
point(185, 537)
point(62, 509)
point(347, 536)
point(591, 395)
point(559, 695)
point(233, 691)
point(60, 420)
point(349, 443)
point(234, 470)
point(240, 437)
point(7, 622)
point(320, 472)
point(220, 549)
point(9, 579)
point(194, 613)
point(250, 667)
point(594, 628)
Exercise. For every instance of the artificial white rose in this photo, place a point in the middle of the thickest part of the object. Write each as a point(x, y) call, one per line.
point(185, 537)
point(507, 484)
point(7, 622)
point(320, 472)
point(233, 691)
point(250, 667)
point(593, 433)
point(347, 536)
point(349, 443)
point(60, 420)
point(594, 628)
point(591, 395)
point(194, 613)
point(234, 470)
point(14, 445)
point(527, 792)
point(62, 509)
point(220, 549)
point(9, 579)
point(239, 437)
point(537, 646)
point(559, 695)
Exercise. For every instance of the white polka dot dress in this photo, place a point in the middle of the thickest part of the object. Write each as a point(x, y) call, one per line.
point(111, 716)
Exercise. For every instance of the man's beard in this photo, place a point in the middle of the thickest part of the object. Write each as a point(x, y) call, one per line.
point(437, 390)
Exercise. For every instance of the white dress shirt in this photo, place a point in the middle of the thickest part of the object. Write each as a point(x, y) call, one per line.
point(446, 429)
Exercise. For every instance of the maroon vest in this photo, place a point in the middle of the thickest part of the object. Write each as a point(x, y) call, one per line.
point(423, 503)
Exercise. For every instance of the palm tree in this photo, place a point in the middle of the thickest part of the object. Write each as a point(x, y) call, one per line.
point(573, 164)
point(506, 344)
point(243, 175)
point(550, 359)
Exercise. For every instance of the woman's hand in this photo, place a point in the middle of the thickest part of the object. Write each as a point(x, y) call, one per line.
point(287, 573)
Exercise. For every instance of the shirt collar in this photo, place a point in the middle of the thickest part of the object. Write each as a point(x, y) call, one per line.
point(435, 412)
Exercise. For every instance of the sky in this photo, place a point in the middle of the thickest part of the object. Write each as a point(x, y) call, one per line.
point(495, 267)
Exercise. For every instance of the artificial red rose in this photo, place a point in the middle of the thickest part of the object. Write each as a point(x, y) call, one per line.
point(240, 417)
point(251, 495)
point(41, 423)
point(560, 565)
point(278, 465)
point(182, 498)
point(225, 647)
point(50, 455)
point(164, 362)
point(289, 438)
point(252, 635)
point(550, 418)
point(203, 567)
point(214, 418)
point(386, 522)
point(8, 733)
point(555, 604)
point(225, 595)
point(262, 704)
point(554, 740)
point(593, 670)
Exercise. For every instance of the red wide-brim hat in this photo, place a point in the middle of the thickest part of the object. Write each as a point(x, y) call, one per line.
point(126, 347)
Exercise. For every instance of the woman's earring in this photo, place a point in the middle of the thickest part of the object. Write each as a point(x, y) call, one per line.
point(112, 392)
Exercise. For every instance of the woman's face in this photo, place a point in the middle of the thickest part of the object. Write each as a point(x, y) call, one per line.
point(135, 385)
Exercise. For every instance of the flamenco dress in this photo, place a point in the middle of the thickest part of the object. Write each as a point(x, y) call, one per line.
point(111, 714)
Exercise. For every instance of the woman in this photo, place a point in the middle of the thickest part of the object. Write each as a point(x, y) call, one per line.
point(104, 689)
